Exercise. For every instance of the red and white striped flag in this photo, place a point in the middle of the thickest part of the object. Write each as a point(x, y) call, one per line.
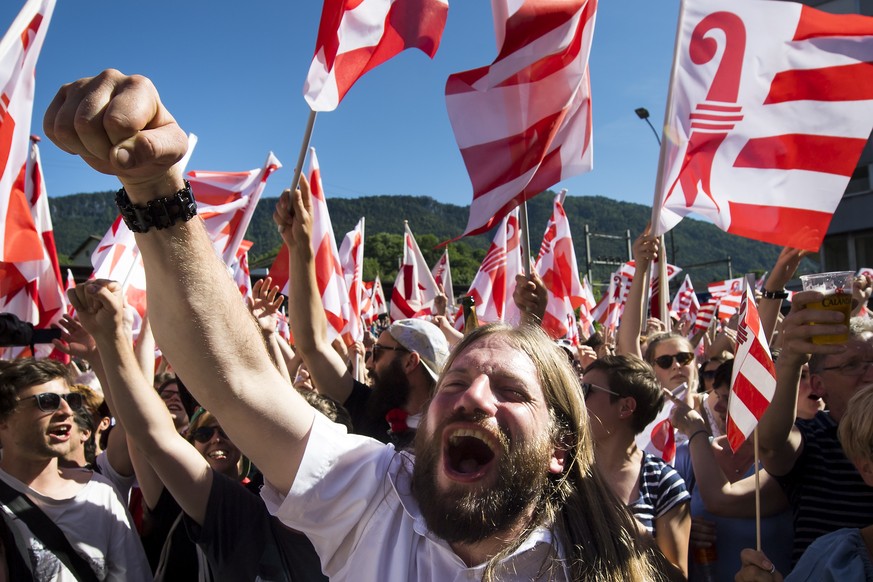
point(442, 274)
point(20, 239)
point(34, 290)
point(374, 303)
point(414, 287)
point(685, 303)
point(586, 310)
point(705, 315)
point(560, 274)
point(608, 310)
point(523, 123)
point(117, 258)
point(328, 270)
point(226, 202)
point(242, 276)
point(494, 283)
point(659, 437)
point(549, 236)
point(753, 382)
point(764, 137)
point(355, 36)
point(729, 305)
point(351, 255)
point(719, 289)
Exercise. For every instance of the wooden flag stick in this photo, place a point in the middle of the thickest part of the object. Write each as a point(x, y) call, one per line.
point(304, 147)
point(524, 238)
point(663, 286)
point(757, 492)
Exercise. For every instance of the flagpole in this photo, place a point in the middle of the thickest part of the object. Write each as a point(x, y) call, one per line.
point(524, 238)
point(757, 492)
point(304, 147)
point(659, 178)
point(663, 286)
point(668, 114)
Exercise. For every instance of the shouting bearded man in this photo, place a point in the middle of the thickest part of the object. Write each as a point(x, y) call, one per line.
point(505, 487)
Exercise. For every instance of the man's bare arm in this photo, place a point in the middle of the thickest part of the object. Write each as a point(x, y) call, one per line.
point(119, 126)
point(328, 370)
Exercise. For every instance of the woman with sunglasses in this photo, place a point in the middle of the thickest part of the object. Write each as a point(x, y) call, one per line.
point(623, 396)
point(670, 354)
point(235, 537)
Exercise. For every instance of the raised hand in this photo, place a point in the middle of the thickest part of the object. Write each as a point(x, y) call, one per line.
point(118, 125)
point(265, 303)
point(293, 217)
point(530, 295)
point(440, 302)
point(646, 248)
point(100, 305)
point(802, 324)
point(75, 339)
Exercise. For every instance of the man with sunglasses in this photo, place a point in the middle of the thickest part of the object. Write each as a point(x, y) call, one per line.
point(36, 420)
point(825, 489)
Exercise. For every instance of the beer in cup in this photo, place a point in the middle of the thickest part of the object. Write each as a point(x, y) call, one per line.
point(837, 290)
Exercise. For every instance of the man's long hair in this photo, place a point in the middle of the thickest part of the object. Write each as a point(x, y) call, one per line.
point(599, 535)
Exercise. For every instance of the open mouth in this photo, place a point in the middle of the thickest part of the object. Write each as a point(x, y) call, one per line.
point(468, 453)
point(60, 432)
point(217, 455)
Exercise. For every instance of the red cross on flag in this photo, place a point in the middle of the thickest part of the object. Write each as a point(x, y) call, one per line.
point(355, 36)
point(19, 51)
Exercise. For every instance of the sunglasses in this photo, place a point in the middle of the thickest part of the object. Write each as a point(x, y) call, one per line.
point(666, 362)
point(587, 387)
point(379, 348)
point(51, 401)
point(204, 434)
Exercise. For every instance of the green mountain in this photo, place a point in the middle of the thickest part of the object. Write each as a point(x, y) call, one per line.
point(700, 248)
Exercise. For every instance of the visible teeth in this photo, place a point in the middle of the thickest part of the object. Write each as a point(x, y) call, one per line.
point(217, 455)
point(469, 432)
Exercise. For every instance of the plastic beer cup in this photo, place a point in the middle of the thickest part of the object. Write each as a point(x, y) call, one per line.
point(837, 290)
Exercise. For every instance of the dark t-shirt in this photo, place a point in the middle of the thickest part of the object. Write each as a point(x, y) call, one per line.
point(824, 488)
point(356, 405)
point(242, 541)
point(157, 525)
point(363, 424)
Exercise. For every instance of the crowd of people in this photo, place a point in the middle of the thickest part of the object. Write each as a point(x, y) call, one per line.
point(421, 453)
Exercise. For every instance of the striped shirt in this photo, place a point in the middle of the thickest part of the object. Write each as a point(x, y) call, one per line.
point(824, 488)
point(661, 489)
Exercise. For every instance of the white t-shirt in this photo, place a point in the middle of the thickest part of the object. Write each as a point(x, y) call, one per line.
point(96, 523)
point(352, 498)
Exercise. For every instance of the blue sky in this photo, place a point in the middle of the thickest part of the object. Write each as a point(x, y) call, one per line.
point(232, 72)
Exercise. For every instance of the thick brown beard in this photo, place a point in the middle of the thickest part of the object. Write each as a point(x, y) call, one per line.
point(463, 515)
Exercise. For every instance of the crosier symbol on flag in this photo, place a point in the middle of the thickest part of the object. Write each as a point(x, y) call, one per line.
point(355, 36)
point(560, 274)
point(770, 107)
point(754, 375)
